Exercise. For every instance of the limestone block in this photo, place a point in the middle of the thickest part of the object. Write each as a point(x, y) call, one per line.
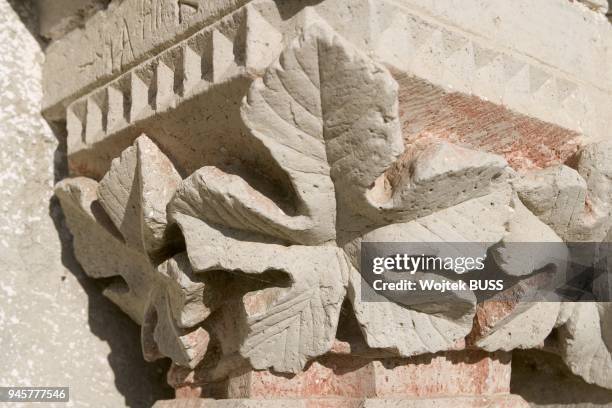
point(115, 40)
point(477, 68)
point(329, 377)
point(353, 377)
point(498, 67)
point(208, 78)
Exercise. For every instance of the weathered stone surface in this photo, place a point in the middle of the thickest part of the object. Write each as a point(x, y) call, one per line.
point(584, 341)
point(575, 203)
point(556, 195)
point(56, 18)
point(516, 258)
point(516, 324)
point(354, 377)
point(440, 49)
point(99, 248)
point(227, 199)
point(179, 304)
point(119, 228)
point(161, 336)
point(595, 166)
point(480, 221)
point(405, 331)
point(115, 40)
point(135, 192)
point(304, 111)
point(347, 377)
point(514, 319)
point(426, 104)
point(191, 298)
point(501, 401)
point(300, 319)
point(436, 324)
point(292, 133)
point(437, 177)
point(57, 328)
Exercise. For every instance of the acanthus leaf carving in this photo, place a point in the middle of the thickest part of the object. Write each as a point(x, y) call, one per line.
point(175, 310)
point(100, 249)
point(134, 194)
point(435, 323)
point(330, 143)
point(120, 231)
point(300, 319)
point(328, 115)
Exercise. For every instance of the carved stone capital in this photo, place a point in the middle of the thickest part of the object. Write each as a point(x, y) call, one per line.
point(230, 159)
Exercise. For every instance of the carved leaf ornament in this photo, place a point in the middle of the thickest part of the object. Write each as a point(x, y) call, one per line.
point(328, 115)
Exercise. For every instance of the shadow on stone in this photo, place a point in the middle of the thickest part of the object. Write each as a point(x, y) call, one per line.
point(26, 10)
point(140, 383)
point(289, 8)
point(542, 379)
